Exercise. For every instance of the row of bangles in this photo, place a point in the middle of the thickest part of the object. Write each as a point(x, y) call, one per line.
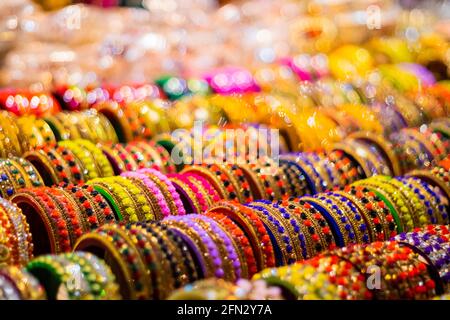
point(287, 216)
point(326, 245)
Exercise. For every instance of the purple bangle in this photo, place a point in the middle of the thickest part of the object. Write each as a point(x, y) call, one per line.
point(207, 241)
point(153, 188)
point(194, 248)
point(231, 251)
point(170, 187)
point(188, 202)
point(198, 195)
point(205, 183)
point(437, 251)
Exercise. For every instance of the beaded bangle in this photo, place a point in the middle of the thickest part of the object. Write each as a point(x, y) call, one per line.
point(290, 223)
point(127, 158)
point(57, 274)
point(182, 261)
point(200, 242)
point(121, 240)
point(348, 171)
point(253, 228)
point(114, 157)
point(6, 185)
point(436, 198)
point(84, 205)
point(213, 194)
point(337, 220)
point(61, 167)
point(228, 249)
point(312, 177)
point(102, 163)
point(42, 212)
point(156, 197)
point(352, 213)
point(296, 179)
point(152, 258)
point(121, 256)
point(190, 240)
point(384, 147)
point(178, 208)
point(57, 128)
point(43, 165)
point(140, 198)
point(114, 113)
point(396, 197)
point(14, 223)
point(281, 242)
point(69, 125)
point(318, 232)
point(246, 191)
point(74, 165)
point(430, 217)
point(30, 172)
point(18, 177)
point(417, 210)
point(385, 224)
point(256, 185)
point(21, 284)
point(85, 157)
point(143, 159)
point(435, 177)
point(225, 178)
point(382, 191)
point(195, 197)
point(117, 198)
point(266, 184)
point(75, 225)
point(246, 255)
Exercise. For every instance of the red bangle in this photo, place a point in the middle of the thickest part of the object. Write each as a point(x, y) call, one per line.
point(237, 233)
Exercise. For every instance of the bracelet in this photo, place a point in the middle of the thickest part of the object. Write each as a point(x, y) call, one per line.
point(41, 213)
point(253, 228)
point(227, 247)
point(156, 198)
point(246, 255)
point(91, 170)
point(121, 254)
point(103, 166)
point(192, 194)
point(18, 284)
point(167, 185)
point(112, 111)
point(200, 242)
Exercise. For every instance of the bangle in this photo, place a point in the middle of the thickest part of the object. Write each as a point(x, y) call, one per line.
point(290, 223)
point(57, 128)
point(76, 226)
point(103, 166)
point(383, 146)
point(155, 193)
point(188, 272)
point(60, 166)
point(121, 256)
point(16, 228)
point(362, 234)
point(42, 212)
point(171, 259)
point(200, 242)
point(281, 242)
point(127, 158)
point(348, 170)
point(74, 165)
point(103, 280)
point(114, 158)
point(390, 200)
point(18, 284)
point(85, 206)
point(39, 159)
point(438, 177)
point(246, 255)
point(335, 223)
point(253, 228)
point(170, 194)
point(317, 232)
point(416, 208)
point(114, 113)
point(213, 194)
point(196, 199)
point(227, 247)
point(69, 125)
point(114, 195)
point(84, 157)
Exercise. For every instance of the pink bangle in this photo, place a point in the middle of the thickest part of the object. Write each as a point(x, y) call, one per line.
point(170, 187)
point(205, 183)
point(199, 196)
point(153, 188)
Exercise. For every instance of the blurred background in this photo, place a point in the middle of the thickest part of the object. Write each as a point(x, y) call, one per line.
point(45, 43)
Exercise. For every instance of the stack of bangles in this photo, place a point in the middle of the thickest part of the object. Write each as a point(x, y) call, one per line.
point(314, 234)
